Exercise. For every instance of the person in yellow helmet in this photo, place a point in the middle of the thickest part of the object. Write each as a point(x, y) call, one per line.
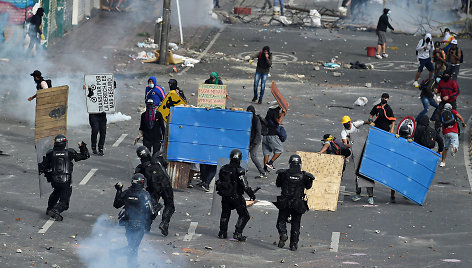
point(348, 136)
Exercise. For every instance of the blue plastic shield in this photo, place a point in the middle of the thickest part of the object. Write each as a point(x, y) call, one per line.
point(197, 135)
point(408, 168)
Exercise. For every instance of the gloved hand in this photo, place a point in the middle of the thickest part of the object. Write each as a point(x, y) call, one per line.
point(251, 193)
point(118, 186)
point(84, 150)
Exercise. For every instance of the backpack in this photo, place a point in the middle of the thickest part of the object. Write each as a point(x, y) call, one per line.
point(428, 139)
point(225, 185)
point(49, 82)
point(281, 133)
point(447, 118)
point(264, 126)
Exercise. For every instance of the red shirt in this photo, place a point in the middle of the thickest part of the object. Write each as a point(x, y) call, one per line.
point(448, 88)
point(452, 128)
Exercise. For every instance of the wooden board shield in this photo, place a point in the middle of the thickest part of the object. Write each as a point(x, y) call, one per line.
point(327, 170)
point(278, 96)
point(51, 112)
point(172, 99)
point(211, 96)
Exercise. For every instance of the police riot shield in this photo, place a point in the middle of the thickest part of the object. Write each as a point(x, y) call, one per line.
point(42, 146)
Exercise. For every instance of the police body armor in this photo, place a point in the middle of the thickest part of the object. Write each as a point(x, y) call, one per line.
point(139, 209)
point(61, 166)
point(293, 192)
point(229, 182)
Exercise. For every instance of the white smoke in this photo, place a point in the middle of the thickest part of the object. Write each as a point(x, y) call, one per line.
point(94, 251)
point(194, 13)
point(117, 117)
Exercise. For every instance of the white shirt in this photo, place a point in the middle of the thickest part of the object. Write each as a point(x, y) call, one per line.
point(354, 128)
point(44, 85)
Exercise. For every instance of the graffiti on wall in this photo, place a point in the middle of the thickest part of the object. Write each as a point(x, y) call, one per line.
point(14, 13)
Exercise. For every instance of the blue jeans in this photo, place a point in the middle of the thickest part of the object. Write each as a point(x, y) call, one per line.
point(257, 77)
point(426, 103)
point(281, 6)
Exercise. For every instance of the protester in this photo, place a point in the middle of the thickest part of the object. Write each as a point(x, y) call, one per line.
point(384, 118)
point(35, 30)
point(151, 128)
point(264, 62)
point(350, 139)
point(290, 202)
point(214, 79)
point(255, 140)
point(448, 37)
point(333, 146)
point(426, 136)
point(271, 142)
point(450, 131)
point(439, 59)
point(173, 86)
point(281, 2)
point(424, 49)
point(154, 92)
point(40, 82)
point(216, 3)
point(449, 91)
point(381, 31)
point(427, 98)
point(454, 59)
point(267, 3)
point(207, 173)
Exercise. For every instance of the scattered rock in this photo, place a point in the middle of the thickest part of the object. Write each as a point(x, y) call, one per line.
point(377, 231)
point(19, 251)
point(336, 74)
point(282, 261)
point(222, 266)
point(208, 247)
point(368, 85)
point(349, 226)
point(193, 94)
point(168, 261)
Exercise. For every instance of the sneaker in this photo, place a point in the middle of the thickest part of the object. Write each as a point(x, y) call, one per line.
point(416, 84)
point(442, 164)
point(205, 188)
point(261, 176)
point(254, 99)
point(271, 167)
point(370, 200)
point(378, 56)
point(190, 186)
point(239, 236)
point(384, 55)
point(293, 246)
point(259, 102)
point(55, 215)
point(164, 227)
point(392, 199)
point(356, 198)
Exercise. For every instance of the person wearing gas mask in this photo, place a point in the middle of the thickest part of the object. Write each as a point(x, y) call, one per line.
point(57, 167)
point(151, 128)
point(291, 203)
point(158, 184)
point(384, 118)
point(154, 91)
point(231, 185)
point(139, 211)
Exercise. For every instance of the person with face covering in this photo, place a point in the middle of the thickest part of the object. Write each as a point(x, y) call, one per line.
point(152, 128)
point(448, 91)
point(173, 86)
point(35, 30)
point(424, 49)
point(384, 118)
point(255, 140)
point(154, 91)
point(381, 31)
point(264, 63)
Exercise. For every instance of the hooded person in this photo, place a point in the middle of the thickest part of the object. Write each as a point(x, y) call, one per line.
point(154, 91)
point(426, 136)
point(255, 140)
point(424, 49)
point(381, 31)
point(448, 90)
point(214, 79)
point(152, 128)
point(173, 86)
point(264, 63)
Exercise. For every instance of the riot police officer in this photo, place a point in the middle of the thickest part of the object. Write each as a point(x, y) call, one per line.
point(293, 182)
point(231, 185)
point(57, 167)
point(139, 211)
point(158, 183)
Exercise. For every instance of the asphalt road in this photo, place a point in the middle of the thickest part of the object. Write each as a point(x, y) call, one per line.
point(437, 234)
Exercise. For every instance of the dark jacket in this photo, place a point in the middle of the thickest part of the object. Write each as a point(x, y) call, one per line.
point(271, 117)
point(256, 127)
point(263, 64)
point(384, 117)
point(421, 126)
point(427, 88)
point(157, 132)
point(384, 23)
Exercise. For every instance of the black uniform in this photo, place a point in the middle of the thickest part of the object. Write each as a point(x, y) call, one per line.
point(57, 166)
point(158, 185)
point(153, 131)
point(139, 210)
point(98, 123)
point(231, 185)
point(293, 182)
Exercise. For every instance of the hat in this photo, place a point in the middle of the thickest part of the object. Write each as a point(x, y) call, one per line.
point(454, 42)
point(328, 137)
point(149, 101)
point(345, 119)
point(36, 73)
point(385, 96)
point(214, 75)
point(172, 81)
point(447, 106)
point(386, 10)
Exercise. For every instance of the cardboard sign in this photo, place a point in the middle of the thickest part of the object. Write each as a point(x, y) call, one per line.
point(328, 170)
point(211, 96)
point(278, 96)
point(100, 93)
point(51, 112)
point(172, 99)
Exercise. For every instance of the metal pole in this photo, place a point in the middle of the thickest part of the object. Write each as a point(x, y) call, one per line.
point(467, 25)
point(180, 23)
point(165, 34)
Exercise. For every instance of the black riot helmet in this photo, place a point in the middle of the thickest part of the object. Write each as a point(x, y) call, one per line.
point(295, 162)
point(236, 156)
point(138, 180)
point(60, 141)
point(143, 152)
point(404, 131)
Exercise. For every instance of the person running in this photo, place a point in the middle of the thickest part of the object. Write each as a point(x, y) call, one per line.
point(450, 131)
point(424, 49)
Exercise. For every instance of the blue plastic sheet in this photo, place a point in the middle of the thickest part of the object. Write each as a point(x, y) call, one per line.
point(408, 168)
point(197, 135)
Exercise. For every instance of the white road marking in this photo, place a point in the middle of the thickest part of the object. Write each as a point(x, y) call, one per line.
point(88, 176)
point(191, 231)
point(45, 227)
point(206, 49)
point(334, 242)
point(119, 140)
point(466, 145)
